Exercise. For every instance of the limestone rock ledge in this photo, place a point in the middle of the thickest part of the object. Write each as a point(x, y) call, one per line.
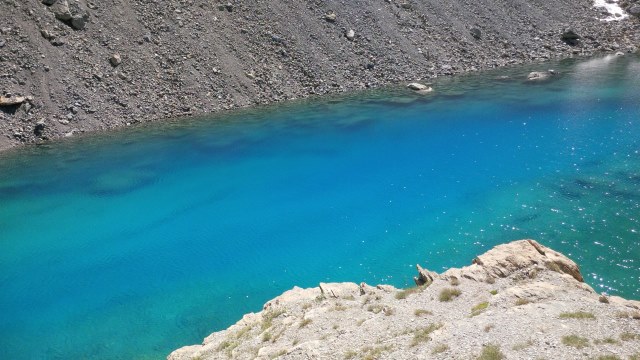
point(520, 299)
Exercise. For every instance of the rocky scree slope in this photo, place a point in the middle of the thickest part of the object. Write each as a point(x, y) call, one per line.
point(520, 300)
point(71, 66)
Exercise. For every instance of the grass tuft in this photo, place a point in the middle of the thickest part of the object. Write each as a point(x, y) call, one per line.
point(449, 294)
point(522, 346)
point(479, 309)
point(629, 336)
point(607, 340)
point(423, 335)
point(403, 294)
point(575, 341)
point(440, 348)
point(491, 352)
point(522, 301)
point(581, 315)
point(493, 292)
point(422, 312)
point(266, 336)
point(305, 322)
point(267, 318)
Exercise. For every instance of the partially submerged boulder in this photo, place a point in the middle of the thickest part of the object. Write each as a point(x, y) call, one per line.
point(419, 88)
point(541, 75)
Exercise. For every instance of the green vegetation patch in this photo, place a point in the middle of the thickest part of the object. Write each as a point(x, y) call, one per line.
point(608, 357)
point(449, 294)
point(575, 341)
point(493, 292)
point(491, 352)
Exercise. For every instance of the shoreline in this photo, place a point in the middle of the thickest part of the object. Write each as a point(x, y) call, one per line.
point(253, 55)
point(521, 299)
point(103, 134)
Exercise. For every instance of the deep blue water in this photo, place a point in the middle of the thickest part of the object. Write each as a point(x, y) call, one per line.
point(129, 245)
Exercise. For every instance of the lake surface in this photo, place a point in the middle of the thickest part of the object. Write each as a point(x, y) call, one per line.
point(131, 244)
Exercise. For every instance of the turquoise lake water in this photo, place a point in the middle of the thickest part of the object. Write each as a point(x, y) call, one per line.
point(132, 244)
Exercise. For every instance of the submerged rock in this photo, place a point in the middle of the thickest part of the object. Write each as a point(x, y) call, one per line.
point(541, 75)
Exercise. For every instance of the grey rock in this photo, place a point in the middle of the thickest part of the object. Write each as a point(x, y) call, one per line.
point(2, 43)
point(476, 33)
point(61, 10)
point(79, 22)
point(634, 10)
point(115, 60)
point(47, 34)
point(38, 130)
point(569, 36)
point(351, 34)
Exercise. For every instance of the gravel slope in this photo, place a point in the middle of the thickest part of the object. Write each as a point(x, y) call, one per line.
point(88, 65)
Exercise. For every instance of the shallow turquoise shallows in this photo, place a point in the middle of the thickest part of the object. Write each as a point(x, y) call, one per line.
point(130, 244)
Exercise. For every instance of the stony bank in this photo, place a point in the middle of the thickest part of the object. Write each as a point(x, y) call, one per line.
point(519, 300)
point(74, 66)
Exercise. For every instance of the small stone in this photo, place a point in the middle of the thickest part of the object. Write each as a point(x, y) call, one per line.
point(570, 37)
point(330, 17)
point(115, 60)
point(48, 2)
point(64, 121)
point(351, 34)
point(47, 34)
point(2, 43)
point(39, 128)
point(476, 33)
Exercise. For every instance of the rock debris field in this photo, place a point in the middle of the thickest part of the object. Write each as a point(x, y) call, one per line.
point(74, 66)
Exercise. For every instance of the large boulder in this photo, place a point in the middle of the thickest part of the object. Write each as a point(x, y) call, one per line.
point(504, 260)
point(74, 15)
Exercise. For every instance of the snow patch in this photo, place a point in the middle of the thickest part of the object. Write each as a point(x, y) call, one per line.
point(612, 7)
